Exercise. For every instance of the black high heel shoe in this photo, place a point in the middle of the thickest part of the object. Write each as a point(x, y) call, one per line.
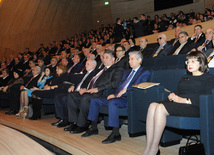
point(158, 153)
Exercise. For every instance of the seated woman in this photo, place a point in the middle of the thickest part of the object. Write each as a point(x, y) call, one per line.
point(48, 91)
point(24, 97)
point(183, 102)
point(13, 85)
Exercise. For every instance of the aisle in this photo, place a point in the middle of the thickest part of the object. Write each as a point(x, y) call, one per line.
point(74, 144)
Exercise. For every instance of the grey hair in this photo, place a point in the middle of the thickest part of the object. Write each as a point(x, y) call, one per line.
point(183, 32)
point(163, 35)
point(38, 68)
point(94, 62)
point(139, 55)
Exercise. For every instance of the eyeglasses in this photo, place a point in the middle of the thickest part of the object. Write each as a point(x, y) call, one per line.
point(119, 50)
point(191, 61)
point(159, 38)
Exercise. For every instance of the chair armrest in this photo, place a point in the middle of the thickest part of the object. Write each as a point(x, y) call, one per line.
point(140, 99)
point(207, 122)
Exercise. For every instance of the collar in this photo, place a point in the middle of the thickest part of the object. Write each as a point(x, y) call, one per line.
point(136, 69)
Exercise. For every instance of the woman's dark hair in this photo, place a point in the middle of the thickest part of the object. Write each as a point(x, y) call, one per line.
point(201, 58)
point(51, 70)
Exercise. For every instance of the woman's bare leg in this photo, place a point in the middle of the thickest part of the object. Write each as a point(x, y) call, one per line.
point(26, 98)
point(150, 126)
point(159, 126)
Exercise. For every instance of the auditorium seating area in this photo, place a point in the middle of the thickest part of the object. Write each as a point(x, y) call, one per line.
point(166, 70)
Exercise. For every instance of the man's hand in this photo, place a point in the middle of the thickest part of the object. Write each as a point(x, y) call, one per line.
point(200, 48)
point(110, 96)
point(82, 91)
point(71, 89)
point(122, 92)
point(93, 90)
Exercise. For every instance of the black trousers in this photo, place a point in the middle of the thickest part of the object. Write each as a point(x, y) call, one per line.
point(78, 107)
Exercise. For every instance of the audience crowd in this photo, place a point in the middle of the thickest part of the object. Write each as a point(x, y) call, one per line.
point(79, 70)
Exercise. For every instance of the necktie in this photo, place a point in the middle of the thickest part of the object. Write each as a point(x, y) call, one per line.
point(176, 39)
point(70, 68)
point(94, 79)
point(178, 49)
point(196, 39)
point(122, 86)
point(210, 56)
point(158, 50)
point(80, 84)
point(117, 60)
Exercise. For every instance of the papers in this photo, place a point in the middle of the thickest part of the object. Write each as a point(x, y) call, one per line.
point(146, 85)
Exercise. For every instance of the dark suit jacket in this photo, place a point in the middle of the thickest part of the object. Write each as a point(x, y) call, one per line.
point(118, 33)
point(164, 51)
point(88, 79)
point(142, 75)
point(208, 52)
point(139, 29)
point(185, 49)
point(208, 46)
point(4, 82)
point(200, 41)
point(25, 66)
point(147, 51)
point(76, 69)
point(32, 83)
point(109, 79)
point(171, 42)
point(124, 62)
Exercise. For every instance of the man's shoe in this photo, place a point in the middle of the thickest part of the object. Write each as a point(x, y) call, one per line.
point(112, 138)
point(12, 112)
point(90, 132)
point(71, 127)
point(57, 123)
point(63, 124)
point(79, 130)
point(8, 112)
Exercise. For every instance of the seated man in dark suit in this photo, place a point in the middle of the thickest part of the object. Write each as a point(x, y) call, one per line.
point(174, 42)
point(60, 100)
point(121, 60)
point(76, 67)
point(184, 45)
point(163, 49)
point(133, 46)
point(208, 41)
point(4, 77)
point(198, 37)
point(117, 100)
point(79, 102)
point(144, 49)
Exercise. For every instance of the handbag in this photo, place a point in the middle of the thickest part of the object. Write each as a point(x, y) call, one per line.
point(192, 148)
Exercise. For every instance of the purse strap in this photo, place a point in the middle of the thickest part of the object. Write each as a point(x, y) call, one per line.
point(196, 140)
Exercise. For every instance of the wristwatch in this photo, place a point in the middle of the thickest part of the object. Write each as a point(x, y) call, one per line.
point(187, 101)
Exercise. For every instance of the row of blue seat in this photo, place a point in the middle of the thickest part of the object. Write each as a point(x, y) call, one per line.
point(165, 62)
point(139, 101)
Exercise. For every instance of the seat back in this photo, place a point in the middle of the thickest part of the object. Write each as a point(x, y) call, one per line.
point(165, 62)
point(168, 78)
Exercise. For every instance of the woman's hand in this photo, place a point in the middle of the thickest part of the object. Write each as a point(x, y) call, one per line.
point(175, 98)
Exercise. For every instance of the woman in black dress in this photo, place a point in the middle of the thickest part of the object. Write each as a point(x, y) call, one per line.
point(183, 102)
point(49, 90)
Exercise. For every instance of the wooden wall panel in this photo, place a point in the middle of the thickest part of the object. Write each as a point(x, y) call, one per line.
point(27, 23)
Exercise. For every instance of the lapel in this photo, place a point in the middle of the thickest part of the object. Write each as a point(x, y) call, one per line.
point(137, 74)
